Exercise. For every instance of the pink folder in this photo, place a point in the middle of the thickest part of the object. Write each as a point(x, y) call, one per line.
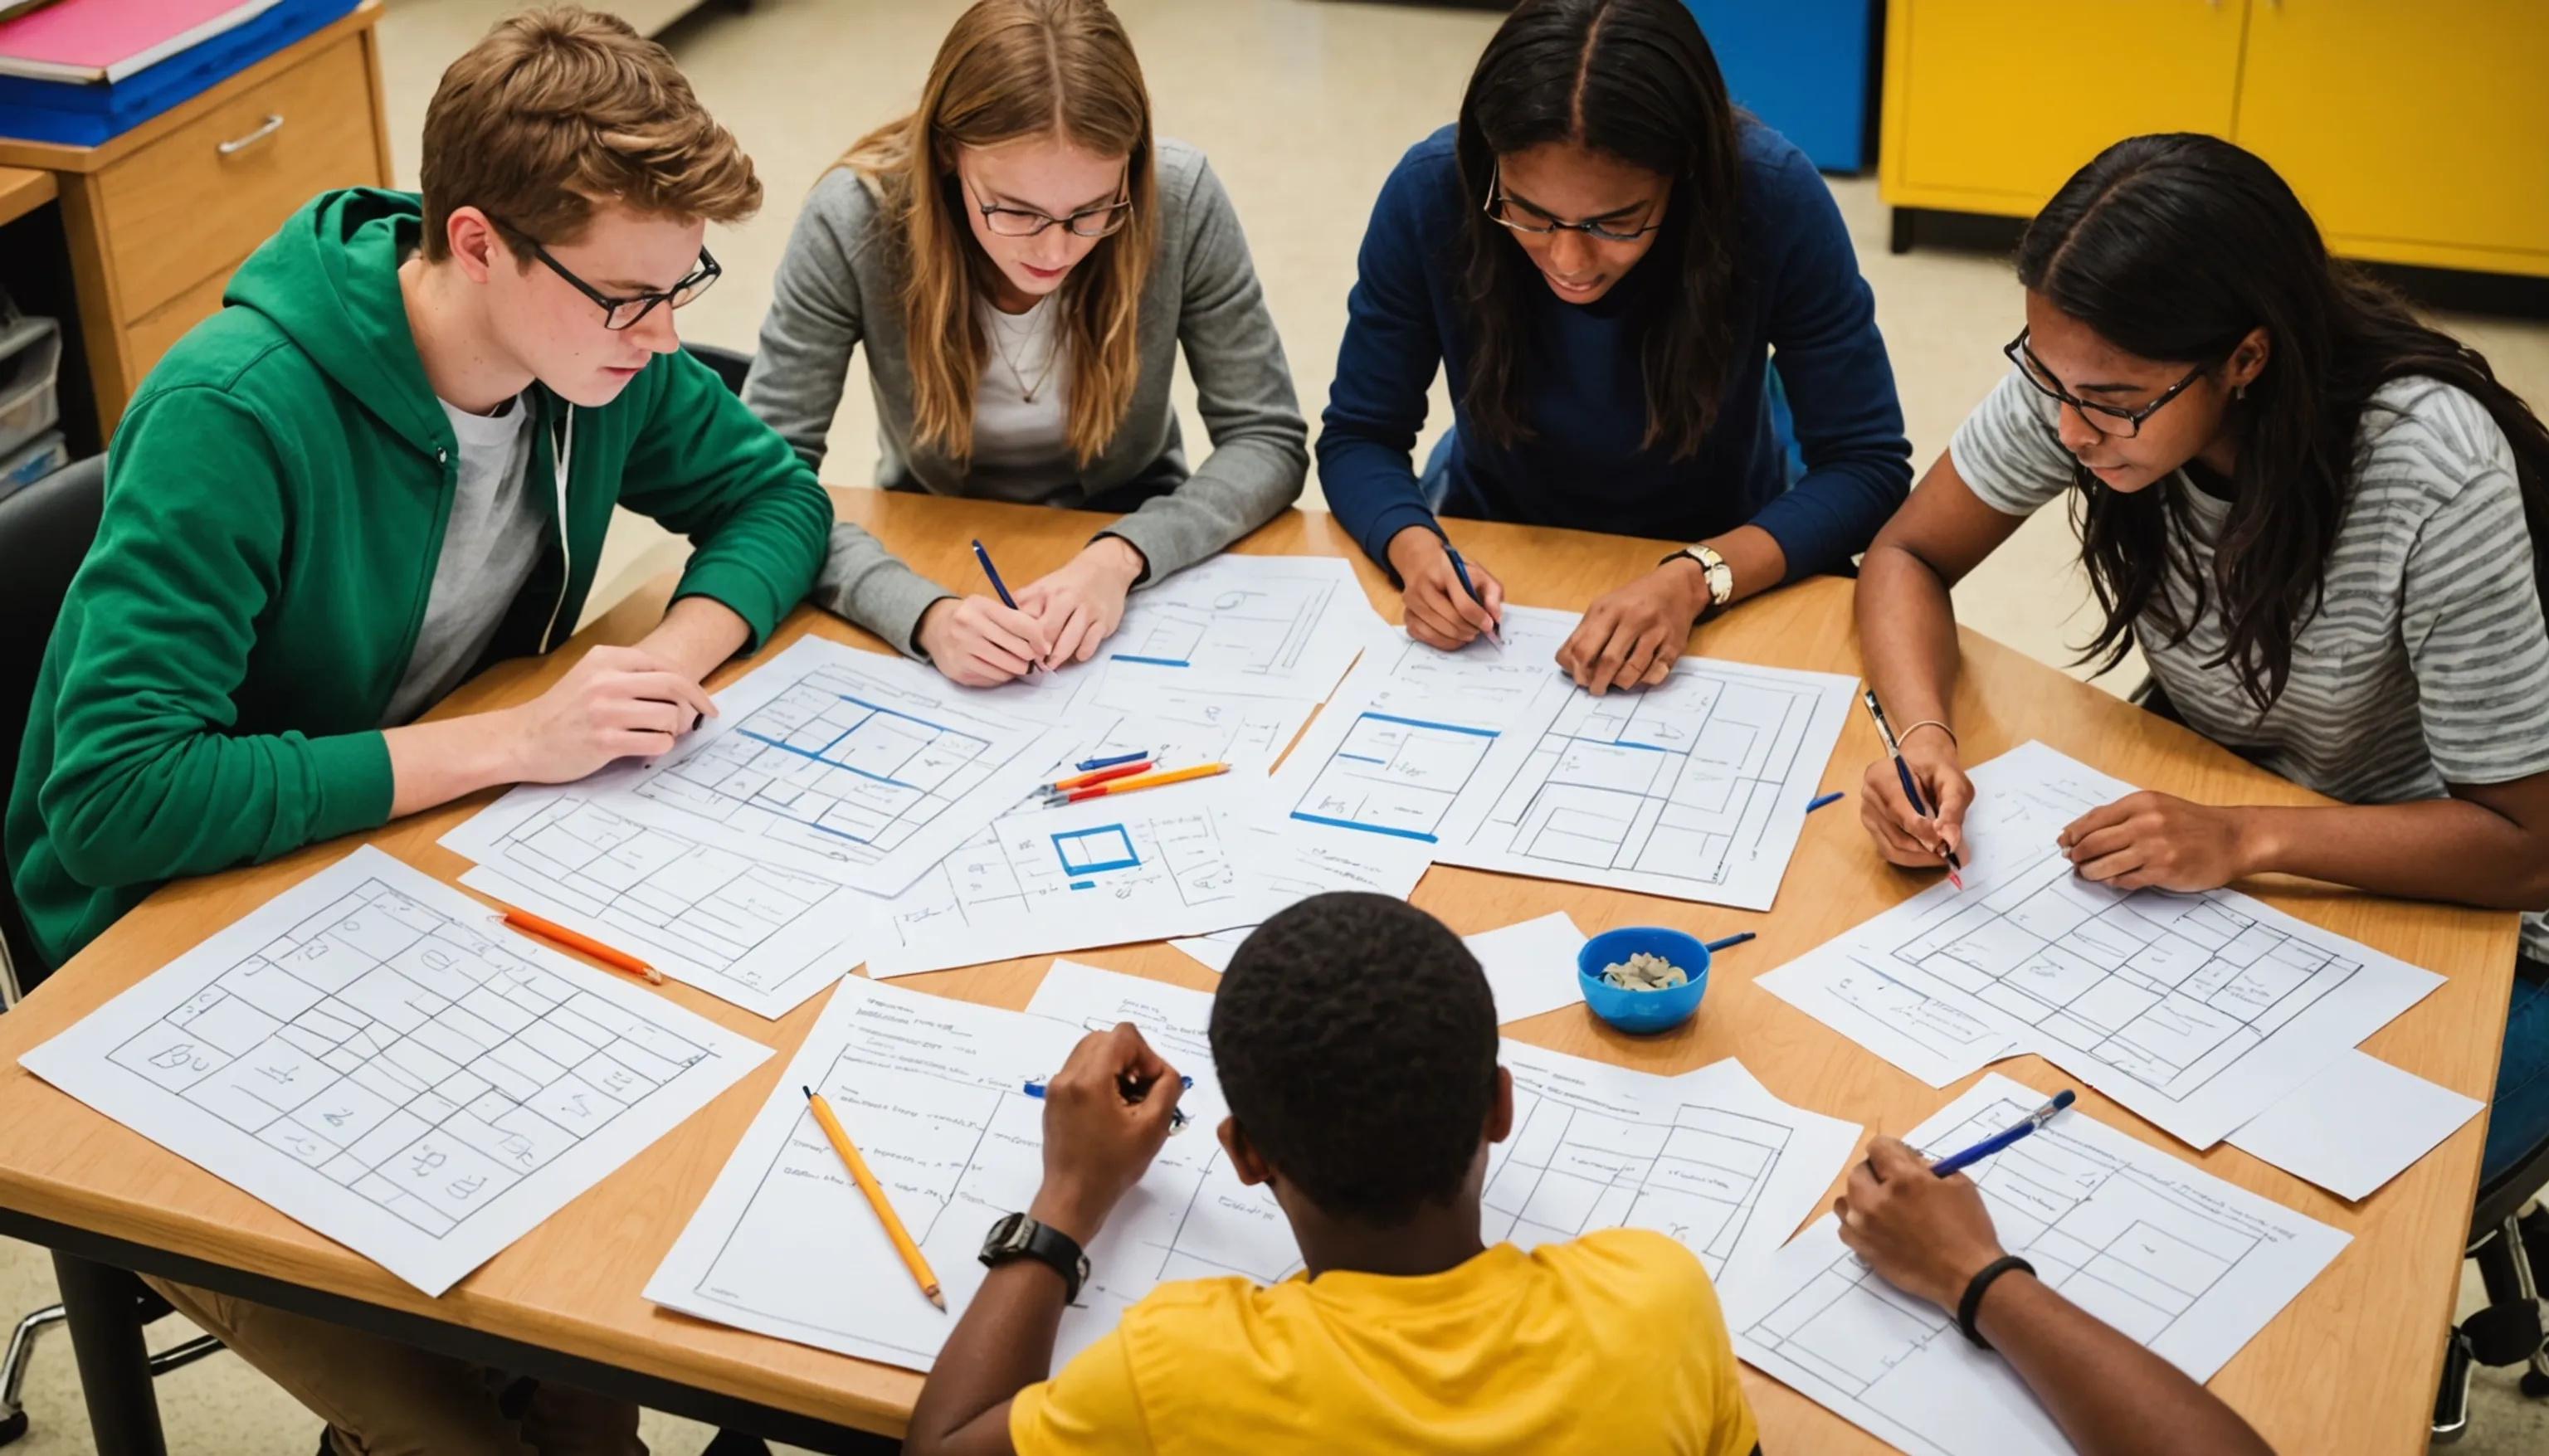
point(110, 40)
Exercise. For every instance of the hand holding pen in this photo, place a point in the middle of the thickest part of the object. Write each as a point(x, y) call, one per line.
point(1914, 801)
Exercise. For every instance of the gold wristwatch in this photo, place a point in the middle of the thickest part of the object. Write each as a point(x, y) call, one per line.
point(1720, 575)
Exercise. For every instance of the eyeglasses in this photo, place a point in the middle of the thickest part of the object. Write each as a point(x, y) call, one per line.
point(2105, 420)
point(623, 313)
point(1500, 210)
point(1096, 222)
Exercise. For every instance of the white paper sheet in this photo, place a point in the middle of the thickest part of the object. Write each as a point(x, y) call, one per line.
point(2355, 1126)
point(932, 1092)
point(2198, 1012)
point(2189, 1265)
point(1293, 862)
point(1287, 625)
point(760, 935)
point(369, 1054)
point(1694, 788)
point(1709, 1158)
point(861, 768)
point(1100, 873)
point(1530, 967)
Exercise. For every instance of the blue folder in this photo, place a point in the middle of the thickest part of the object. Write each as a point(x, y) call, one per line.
point(81, 114)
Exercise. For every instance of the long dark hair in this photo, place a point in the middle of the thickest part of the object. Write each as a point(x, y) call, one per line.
point(1633, 79)
point(2175, 247)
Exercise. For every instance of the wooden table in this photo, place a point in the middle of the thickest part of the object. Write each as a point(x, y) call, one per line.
point(22, 190)
point(2351, 1366)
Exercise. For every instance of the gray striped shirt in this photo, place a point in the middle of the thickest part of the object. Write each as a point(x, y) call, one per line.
point(2426, 664)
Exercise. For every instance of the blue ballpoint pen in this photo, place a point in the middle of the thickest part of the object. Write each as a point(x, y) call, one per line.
point(1911, 790)
point(1460, 569)
point(1090, 765)
point(1958, 1161)
point(993, 573)
point(1176, 1116)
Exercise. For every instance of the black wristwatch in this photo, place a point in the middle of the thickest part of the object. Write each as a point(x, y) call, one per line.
point(1017, 1236)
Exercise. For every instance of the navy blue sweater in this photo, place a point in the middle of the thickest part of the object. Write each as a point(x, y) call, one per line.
point(1584, 397)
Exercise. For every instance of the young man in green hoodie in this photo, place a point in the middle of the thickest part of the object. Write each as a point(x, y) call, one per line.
point(390, 459)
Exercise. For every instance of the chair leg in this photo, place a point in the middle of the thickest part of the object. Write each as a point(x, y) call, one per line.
point(2535, 1379)
point(105, 1317)
point(13, 1369)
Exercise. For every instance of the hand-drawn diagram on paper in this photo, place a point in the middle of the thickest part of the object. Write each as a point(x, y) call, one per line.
point(758, 934)
point(1121, 713)
point(1410, 727)
point(1284, 625)
point(932, 1091)
point(1709, 1158)
point(2196, 1010)
point(1100, 873)
point(857, 766)
point(1694, 788)
point(1289, 863)
point(2177, 1259)
point(369, 1056)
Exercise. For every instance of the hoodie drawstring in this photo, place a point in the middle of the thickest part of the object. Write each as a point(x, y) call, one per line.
point(566, 554)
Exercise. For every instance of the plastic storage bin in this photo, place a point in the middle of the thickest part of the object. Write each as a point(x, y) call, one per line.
point(30, 361)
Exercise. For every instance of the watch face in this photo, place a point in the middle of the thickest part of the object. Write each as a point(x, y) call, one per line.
point(1008, 1235)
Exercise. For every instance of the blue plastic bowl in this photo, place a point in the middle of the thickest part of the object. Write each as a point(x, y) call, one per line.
point(1642, 1013)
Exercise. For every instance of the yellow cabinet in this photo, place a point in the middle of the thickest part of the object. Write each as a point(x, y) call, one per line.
point(2416, 132)
point(1989, 104)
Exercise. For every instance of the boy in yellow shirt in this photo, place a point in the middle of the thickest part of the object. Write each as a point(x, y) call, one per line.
point(1356, 1042)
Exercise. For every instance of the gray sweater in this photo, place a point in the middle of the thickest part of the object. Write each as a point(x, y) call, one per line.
point(836, 290)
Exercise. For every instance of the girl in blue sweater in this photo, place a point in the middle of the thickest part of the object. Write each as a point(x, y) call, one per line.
point(1603, 255)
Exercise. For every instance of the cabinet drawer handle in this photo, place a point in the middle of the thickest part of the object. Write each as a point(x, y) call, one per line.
point(273, 123)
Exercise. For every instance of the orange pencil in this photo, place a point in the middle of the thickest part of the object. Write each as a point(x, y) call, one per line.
point(1147, 780)
point(1098, 776)
point(875, 1191)
point(550, 929)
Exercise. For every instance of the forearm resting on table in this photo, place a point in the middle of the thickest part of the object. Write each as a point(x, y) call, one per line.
point(2493, 853)
point(436, 763)
point(2109, 1395)
point(1754, 556)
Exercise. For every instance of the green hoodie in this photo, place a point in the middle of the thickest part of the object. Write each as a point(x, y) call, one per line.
point(275, 503)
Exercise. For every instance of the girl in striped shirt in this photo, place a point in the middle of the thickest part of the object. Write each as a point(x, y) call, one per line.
point(2317, 519)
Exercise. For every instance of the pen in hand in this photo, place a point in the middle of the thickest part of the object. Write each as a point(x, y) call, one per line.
point(1911, 790)
point(1460, 569)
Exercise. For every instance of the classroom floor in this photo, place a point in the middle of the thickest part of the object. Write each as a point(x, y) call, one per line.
point(1304, 106)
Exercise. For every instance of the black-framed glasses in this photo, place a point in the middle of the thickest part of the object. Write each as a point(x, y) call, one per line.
point(2105, 420)
point(623, 313)
point(1501, 210)
point(1096, 222)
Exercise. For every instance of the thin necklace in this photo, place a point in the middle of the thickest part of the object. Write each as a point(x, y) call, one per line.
point(1001, 342)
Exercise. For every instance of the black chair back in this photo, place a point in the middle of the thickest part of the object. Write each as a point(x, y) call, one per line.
point(44, 533)
point(730, 365)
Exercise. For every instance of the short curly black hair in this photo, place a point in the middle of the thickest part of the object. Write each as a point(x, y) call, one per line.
point(1356, 1040)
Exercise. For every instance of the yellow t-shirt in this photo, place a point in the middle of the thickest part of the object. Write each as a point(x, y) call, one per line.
point(1612, 1343)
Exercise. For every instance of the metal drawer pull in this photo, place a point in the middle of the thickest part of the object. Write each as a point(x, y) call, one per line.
point(273, 123)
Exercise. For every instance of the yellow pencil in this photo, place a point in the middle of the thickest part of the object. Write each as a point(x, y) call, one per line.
point(1127, 786)
point(875, 1191)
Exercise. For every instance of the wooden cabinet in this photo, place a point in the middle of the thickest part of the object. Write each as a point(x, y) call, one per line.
point(157, 219)
point(2414, 132)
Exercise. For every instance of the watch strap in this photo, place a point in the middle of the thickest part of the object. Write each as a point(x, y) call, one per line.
point(1016, 1237)
point(1713, 569)
point(1972, 1304)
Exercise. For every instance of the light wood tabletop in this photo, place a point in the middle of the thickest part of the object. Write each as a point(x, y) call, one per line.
point(2349, 1366)
point(22, 190)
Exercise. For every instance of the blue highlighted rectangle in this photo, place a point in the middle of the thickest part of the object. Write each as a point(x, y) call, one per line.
point(1083, 885)
point(1366, 828)
point(1440, 727)
point(1096, 850)
point(1157, 662)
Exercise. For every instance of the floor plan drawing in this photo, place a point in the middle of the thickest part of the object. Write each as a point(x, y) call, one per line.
point(1694, 788)
point(861, 768)
point(933, 1092)
point(2179, 1260)
point(1287, 625)
point(761, 935)
point(1710, 1158)
point(368, 1055)
point(2196, 1010)
point(1100, 873)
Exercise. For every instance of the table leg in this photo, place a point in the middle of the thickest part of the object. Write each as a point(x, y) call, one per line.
point(104, 1309)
